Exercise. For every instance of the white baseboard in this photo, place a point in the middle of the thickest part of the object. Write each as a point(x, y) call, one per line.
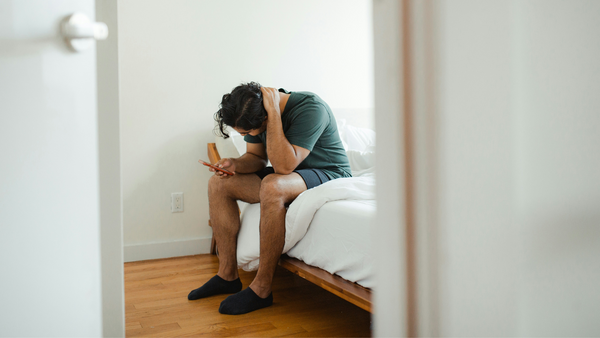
point(186, 247)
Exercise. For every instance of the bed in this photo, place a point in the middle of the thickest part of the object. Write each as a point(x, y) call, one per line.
point(327, 228)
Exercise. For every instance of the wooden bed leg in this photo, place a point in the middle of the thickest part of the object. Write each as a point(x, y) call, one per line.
point(213, 157)
point(213, 242)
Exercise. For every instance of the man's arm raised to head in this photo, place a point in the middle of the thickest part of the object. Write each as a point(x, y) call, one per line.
point(285, 157)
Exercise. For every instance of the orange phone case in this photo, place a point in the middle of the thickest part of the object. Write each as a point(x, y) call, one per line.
point(216, 168)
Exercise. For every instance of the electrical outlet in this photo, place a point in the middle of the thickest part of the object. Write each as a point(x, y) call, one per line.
point(177, 202)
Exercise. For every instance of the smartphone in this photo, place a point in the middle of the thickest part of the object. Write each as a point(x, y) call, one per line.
point(216, 168)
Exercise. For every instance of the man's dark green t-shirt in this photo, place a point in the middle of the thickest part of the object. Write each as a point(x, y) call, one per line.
point(309, 123)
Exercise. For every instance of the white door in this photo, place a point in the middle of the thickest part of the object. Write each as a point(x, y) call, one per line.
point(49, 205)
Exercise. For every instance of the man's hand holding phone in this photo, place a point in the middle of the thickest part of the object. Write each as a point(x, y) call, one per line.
point(225, 164)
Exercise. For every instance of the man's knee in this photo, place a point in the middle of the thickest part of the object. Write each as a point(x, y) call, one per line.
point(271, 189)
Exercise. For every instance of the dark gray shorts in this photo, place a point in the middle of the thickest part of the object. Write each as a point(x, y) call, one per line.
point(312, 177)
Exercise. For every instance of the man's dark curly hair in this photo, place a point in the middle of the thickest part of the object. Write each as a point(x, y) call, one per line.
point(242, 108)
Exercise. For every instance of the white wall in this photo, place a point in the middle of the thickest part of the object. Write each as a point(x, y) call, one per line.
point(177, 59)
point(517, 175)
point(557, 155)
point(475, 172)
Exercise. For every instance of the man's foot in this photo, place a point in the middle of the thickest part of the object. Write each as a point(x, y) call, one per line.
point(216, 286)
point(244, 302)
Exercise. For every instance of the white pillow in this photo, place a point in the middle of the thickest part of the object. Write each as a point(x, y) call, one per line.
point(238, 141)
point(361, 160)
point(232, 147)
point(341, 125)
point(355, 138)
point(360, 147)
point(360, 139)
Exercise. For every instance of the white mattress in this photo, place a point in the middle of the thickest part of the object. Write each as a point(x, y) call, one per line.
point(339, 241)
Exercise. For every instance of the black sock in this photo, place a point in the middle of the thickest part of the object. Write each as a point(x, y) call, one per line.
point(216, 286)
point(244, 302)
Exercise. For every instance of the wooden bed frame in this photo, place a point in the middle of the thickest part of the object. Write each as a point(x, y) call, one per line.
point(352, 292)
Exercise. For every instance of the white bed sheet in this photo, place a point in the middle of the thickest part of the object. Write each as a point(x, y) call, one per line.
point(339, 241)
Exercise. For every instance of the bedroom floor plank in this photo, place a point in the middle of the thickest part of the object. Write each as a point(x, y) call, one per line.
point(156, 305)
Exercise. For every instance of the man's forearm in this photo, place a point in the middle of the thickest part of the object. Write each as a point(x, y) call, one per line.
point(249, 163)
point(281, 152)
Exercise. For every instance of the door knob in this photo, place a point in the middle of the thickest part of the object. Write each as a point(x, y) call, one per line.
point(80, 32)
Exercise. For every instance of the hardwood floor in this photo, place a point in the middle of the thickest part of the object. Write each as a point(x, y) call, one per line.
point(156, 305)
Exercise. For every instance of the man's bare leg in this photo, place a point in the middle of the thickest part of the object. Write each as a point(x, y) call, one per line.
point(276, 192)
point(225, 220)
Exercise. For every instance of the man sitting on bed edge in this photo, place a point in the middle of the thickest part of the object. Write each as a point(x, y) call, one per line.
point(305, 150)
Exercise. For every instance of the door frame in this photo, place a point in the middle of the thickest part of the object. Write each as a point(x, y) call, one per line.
point(111, 214)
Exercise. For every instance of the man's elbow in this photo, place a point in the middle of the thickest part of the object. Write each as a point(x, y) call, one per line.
point(286, 167)
point(283, 171)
